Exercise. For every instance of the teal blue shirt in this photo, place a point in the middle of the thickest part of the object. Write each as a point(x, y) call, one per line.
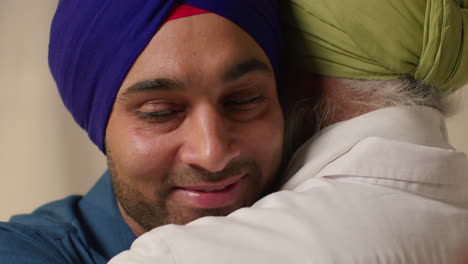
point(88, 229)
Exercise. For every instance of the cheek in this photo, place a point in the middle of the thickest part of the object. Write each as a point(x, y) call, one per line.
point(142, 153)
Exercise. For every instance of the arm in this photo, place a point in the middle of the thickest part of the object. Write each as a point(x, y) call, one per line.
point(19, 244)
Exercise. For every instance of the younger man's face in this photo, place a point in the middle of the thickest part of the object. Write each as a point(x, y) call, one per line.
point(196, 128)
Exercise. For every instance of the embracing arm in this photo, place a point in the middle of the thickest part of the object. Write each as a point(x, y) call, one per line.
point(23, 245)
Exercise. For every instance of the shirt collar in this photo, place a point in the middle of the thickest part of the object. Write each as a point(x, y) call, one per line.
point(106, 230)
point(401, 128)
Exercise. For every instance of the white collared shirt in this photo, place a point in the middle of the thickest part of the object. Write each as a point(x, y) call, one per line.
point(385, 187)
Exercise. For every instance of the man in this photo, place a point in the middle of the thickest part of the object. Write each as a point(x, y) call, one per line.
point(379, 183)
point(181, 96)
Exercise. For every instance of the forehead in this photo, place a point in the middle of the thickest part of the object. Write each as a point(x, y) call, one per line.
point(197, 48)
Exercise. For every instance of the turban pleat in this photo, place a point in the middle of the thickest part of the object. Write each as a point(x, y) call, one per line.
point(386, 39)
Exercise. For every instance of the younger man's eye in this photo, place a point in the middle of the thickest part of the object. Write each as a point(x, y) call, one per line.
point(159, 112)
point(245, 103)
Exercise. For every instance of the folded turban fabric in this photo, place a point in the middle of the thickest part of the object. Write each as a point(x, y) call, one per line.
point(382, 39)
point(93, 44)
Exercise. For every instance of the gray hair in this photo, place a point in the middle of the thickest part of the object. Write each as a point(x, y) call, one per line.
point(308, 116)
point(378, 94)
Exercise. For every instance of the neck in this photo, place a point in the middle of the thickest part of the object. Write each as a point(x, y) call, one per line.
point(136, 228)
point(340, 103)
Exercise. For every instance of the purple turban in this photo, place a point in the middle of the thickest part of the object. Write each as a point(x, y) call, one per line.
point(93, 44)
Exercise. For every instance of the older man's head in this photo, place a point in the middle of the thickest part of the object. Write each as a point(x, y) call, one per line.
point(373, 54)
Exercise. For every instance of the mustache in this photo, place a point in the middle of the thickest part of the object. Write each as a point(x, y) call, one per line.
point(193, 175)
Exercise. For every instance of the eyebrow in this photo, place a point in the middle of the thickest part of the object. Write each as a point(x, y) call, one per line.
point(165, 84)
point(162, 84)
point(243, 68)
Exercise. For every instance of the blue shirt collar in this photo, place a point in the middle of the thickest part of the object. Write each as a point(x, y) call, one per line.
point(105, 231)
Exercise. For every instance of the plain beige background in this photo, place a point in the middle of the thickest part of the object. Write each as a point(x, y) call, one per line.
point(44, 155)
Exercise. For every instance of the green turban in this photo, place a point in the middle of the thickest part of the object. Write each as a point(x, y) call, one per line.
point(382, 39)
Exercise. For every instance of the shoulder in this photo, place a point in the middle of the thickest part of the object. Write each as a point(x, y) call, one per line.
point(322, 221)
point(50, 234)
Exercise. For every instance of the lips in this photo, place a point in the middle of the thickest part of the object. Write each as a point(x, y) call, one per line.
point(215, 186)
point(211, 195)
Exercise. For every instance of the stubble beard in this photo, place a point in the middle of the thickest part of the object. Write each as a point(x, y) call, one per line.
point(155, 213)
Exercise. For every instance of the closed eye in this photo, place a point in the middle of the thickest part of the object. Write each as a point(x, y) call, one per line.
point(159, 116)
point(245, 101)
point(159, 112)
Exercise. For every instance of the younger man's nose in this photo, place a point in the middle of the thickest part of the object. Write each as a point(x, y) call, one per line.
point(208, 142)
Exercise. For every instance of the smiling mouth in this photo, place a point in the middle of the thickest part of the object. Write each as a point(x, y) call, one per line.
point(212, 187)
point(211, 195)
